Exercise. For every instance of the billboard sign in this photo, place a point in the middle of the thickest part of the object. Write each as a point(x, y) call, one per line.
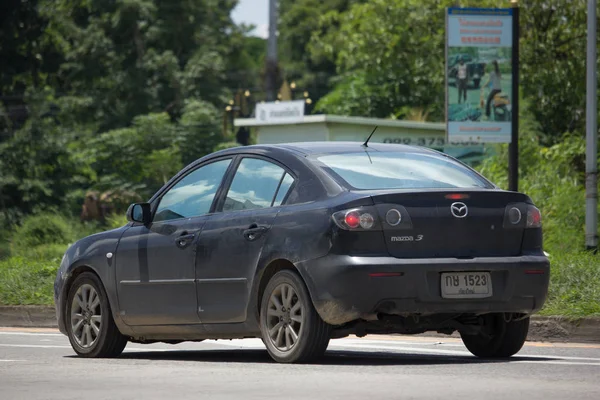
point(479, 59)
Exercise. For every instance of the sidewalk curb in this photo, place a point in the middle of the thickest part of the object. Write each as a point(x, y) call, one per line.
point(28, 316)
point(542, 329)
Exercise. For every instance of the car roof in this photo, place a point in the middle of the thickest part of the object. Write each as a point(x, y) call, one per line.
point(313, 148)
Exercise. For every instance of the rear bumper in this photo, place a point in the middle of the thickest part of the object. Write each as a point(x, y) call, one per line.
point(342, 289)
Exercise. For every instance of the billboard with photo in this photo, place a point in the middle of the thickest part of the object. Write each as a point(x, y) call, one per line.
point(479, 75)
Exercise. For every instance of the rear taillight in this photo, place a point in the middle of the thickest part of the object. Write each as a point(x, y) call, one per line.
point(534, 217)
point(522, 215)
point(357, 219)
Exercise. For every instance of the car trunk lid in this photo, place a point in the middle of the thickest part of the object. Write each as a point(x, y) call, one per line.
point(449, 223)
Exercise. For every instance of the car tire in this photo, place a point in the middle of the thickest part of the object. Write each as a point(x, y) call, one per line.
point(504, 339)
point(476, 83)
point(292, 330)
point(89, 322)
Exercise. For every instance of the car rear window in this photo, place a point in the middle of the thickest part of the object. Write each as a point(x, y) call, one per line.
point(400, 170)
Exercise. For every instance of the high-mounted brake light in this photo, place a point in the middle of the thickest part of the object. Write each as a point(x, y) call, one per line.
point(457, 196)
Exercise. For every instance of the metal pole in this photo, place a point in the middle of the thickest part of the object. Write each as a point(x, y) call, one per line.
point(271, 62)
point(513, 147)
point(591, 151)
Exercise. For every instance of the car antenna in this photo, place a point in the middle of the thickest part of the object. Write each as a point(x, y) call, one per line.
point(367, 141)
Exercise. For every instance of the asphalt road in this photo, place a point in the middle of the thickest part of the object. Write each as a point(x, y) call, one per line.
point(39, 364)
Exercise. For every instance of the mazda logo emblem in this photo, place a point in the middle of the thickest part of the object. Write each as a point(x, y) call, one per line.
point(459, 210)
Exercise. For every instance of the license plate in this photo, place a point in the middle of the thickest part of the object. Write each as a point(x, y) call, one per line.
point(466, 285)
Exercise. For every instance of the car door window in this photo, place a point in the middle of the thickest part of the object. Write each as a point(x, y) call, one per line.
point(284, 188)
point(193, 195)
point(254, 185)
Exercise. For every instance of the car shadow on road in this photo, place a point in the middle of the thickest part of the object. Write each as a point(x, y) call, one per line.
point(332, 357)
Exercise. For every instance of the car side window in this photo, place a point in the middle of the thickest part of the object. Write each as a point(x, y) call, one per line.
point(193, 195)
point(254, 185)
point(284, 188)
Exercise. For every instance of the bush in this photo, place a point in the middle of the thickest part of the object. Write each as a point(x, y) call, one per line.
point(553, 177)
point(115, 221)
point(41, 229)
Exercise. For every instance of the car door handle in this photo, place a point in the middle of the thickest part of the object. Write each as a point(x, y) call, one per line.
point(185, 240)
point(254, 232)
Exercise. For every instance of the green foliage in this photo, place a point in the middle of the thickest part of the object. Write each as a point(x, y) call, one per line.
point(384, 65)
point(299, 19)
point(38, 170)
point(115, 221)
point(553, 48)
point(199, 130)
point(140, 56)
point(574, 285)
point(41, 229)
point(25, 280)
point(226, 145)
point(553, 176)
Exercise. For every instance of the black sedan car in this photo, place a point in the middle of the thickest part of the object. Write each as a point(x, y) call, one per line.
point(300, 243)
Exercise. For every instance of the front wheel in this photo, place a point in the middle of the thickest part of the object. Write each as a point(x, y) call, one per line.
point(499, 339)
point(292, 330)
point(90, 326)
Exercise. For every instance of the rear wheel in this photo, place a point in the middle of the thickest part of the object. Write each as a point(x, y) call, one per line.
point(500, 339)
point(90, 326)
point(292, 330)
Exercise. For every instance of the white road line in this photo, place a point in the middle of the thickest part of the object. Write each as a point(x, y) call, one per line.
point(47, 346)
point(553, 362)
point(31, 334)
point(257, 343)
point(354, 345)
point(11, 360)
point(35, 346)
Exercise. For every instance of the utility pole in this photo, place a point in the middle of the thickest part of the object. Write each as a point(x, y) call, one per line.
point(513, 147)
point(271, 67)
point(591, 126)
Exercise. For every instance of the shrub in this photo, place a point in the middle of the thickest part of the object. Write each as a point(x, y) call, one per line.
point(41, 229)
point(115, 221)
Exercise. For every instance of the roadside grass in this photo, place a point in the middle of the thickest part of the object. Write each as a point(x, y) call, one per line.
point(29, 279)
point(574, 285)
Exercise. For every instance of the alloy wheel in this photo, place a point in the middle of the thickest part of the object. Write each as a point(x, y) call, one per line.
point(285, 318)
point(86, 316)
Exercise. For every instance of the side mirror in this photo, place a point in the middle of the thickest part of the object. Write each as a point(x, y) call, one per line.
point(139, 212)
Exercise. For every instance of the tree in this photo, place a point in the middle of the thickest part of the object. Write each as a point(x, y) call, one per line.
point(133, 57)
point(298, 20)
point(389, 54)
point(30, 61)
point(553, 48)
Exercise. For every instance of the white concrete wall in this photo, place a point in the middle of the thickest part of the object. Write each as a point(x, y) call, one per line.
point(269, 134)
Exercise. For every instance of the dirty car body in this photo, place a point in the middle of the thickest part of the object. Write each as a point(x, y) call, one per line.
point(385, 238)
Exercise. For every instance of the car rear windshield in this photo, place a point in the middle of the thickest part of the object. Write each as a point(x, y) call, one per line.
point(400, 170)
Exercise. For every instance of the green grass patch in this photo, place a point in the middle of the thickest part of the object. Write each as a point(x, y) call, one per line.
point(574, 285)
point(30, 279)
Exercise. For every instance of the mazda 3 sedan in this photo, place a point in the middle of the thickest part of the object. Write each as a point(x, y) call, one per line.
point(301, 243)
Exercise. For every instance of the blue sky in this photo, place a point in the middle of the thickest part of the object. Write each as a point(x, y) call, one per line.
point(254, 12)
